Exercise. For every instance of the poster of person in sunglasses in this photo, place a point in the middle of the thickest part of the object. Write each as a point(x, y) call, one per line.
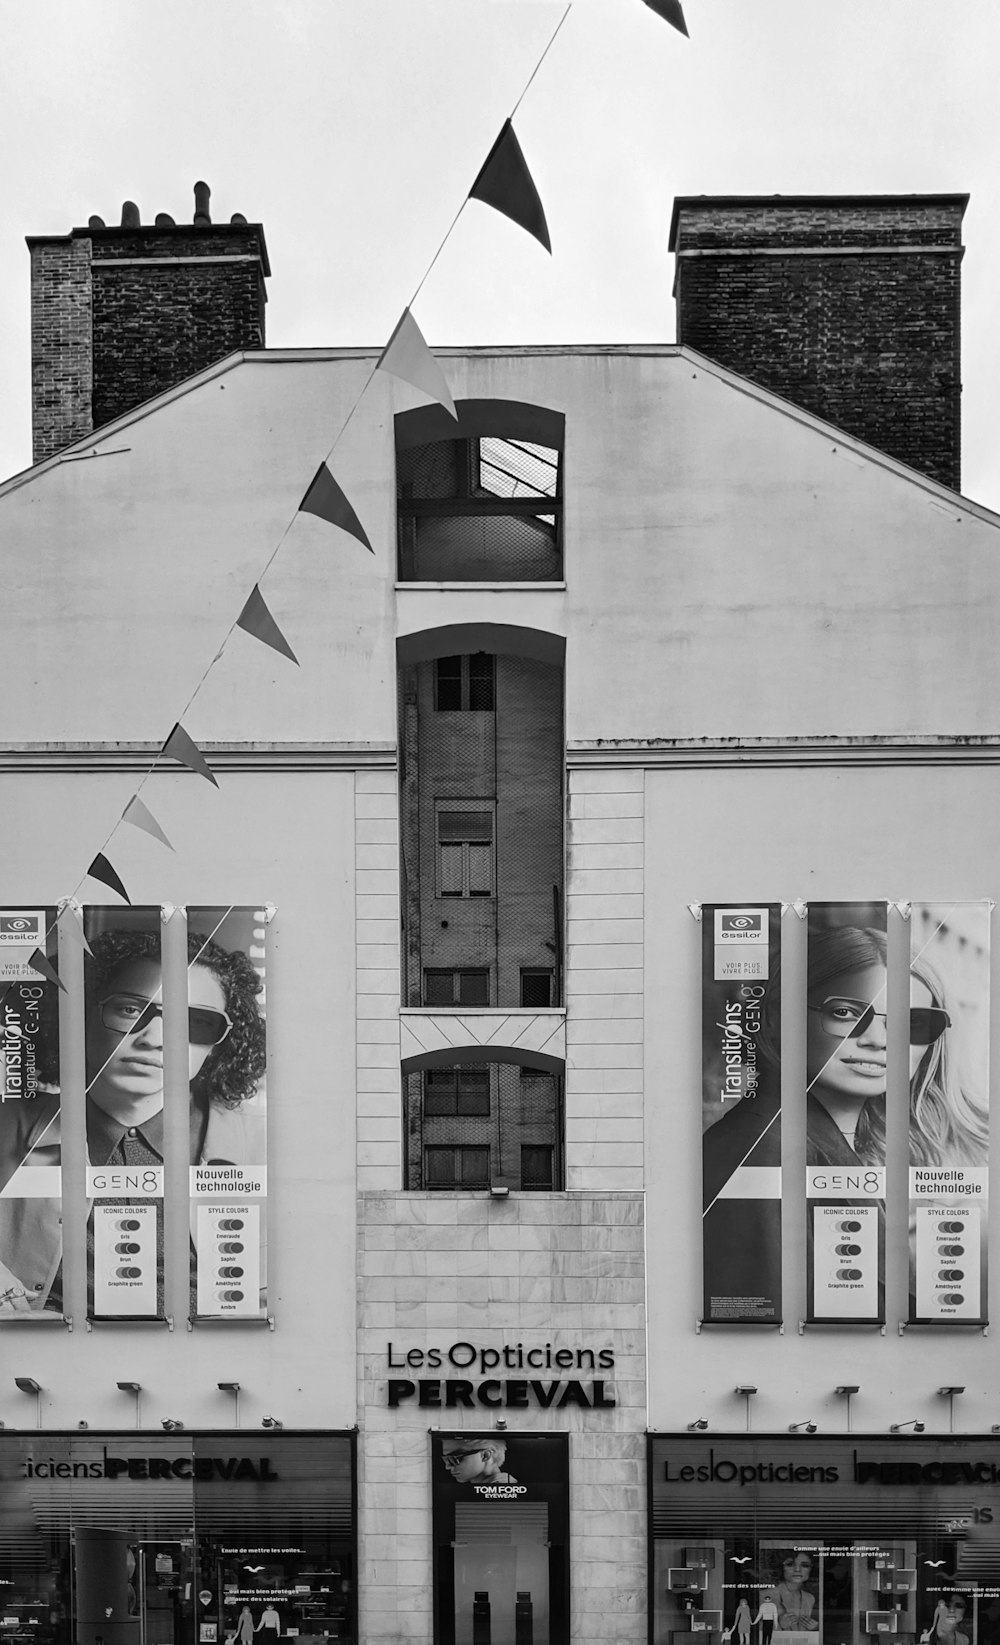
point(125, 1111)
point(847, 1069)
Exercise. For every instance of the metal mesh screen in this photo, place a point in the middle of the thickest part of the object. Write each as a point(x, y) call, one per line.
point(479, 511)
point(481, 823)
point(472, 1124)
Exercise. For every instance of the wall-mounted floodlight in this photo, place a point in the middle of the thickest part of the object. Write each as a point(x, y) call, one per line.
point(132, 1388)
point(271, 1422)
point(171, 1424)
point(698, 1426)
point(28, 1385)
point(234, 1389)
point(846, 1390)
point(897, 1427)
point(748, 1391)
point(810, 1427)
point(948, 1392)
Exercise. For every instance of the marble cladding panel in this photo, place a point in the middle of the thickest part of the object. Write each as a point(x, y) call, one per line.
point(376, 870)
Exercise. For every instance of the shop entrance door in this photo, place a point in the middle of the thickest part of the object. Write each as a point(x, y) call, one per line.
point(163, 1592)
point(501, 1571)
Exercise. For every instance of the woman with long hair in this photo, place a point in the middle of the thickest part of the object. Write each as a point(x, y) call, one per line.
point(846, 1060)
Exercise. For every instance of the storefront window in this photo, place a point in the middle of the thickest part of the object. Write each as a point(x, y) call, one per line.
point(176, 1539)
point(501, 1531)
point(831, 1542)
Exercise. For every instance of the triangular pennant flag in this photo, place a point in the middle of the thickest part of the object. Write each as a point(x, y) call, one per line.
point(670, 11)
point(255, 619)
point(406, 355)
point(179, 746)
point(140, 816)
point(101, 869)
point(39, 963)
point(326, 499)
point(69, 923)
point(506, 184)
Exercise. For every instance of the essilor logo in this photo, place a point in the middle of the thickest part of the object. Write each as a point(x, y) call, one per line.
point(19, 925)
point(742, 924)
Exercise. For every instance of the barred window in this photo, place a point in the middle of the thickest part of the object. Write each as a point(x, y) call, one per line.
point(465, 848)
point(465, 685)
point(461, 1091)
point(456, 987)
point(536, 1167)
point(456, 1167)
point(536, 986)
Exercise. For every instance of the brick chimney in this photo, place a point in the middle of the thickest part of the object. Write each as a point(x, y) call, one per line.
point(118, 315)
point(847, 305)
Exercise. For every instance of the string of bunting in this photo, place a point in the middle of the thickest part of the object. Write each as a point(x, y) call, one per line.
point(503, 182)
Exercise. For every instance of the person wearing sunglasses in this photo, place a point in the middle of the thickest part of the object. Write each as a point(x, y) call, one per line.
point(124, 1113)
point(846, 1060)
point(476, 1460)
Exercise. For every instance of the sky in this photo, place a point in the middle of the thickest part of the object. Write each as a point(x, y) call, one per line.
point(353, 130)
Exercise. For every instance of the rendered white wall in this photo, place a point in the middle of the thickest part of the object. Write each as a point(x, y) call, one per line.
point(732, 570)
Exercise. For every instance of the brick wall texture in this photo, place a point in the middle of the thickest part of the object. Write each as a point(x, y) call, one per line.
point(122, 315)
point(848, 308)
point(61, 354)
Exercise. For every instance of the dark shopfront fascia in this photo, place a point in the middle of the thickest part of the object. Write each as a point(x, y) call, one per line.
point(854, 1538)
point(172, 1539)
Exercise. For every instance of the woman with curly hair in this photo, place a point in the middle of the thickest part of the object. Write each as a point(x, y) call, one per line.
point(226, 1046)
point(124, 1052)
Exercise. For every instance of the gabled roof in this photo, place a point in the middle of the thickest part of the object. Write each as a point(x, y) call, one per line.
point(102, 441)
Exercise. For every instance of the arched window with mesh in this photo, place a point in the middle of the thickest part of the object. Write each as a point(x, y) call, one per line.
point(480, 501)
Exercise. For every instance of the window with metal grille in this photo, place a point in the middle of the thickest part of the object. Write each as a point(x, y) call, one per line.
point(537, 1094)
point(536, 1167)
point(536, 986)
point(456, 1167)
point(465, 684)
point(461, 1091)
point(465, 987)
point(464, 848)
point(484, 509)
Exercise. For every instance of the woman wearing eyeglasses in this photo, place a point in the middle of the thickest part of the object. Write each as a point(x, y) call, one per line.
point(124, 1048)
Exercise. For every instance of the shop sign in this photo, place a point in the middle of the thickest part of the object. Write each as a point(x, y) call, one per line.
point(513, 1393)
point(202, 1469)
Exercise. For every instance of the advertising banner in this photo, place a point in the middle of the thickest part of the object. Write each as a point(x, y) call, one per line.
point(123, 1013)
point(30, 1169)
point(949, 1119)
point(228, 1162)
point(741, 1113)
point(501, 1537)
point(846, 1071)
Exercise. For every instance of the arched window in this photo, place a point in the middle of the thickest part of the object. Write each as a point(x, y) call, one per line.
point(480, 500)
